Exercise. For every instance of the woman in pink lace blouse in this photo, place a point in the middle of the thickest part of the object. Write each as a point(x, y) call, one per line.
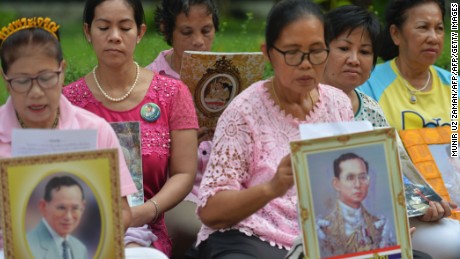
point(119, 90)
point(247, 199)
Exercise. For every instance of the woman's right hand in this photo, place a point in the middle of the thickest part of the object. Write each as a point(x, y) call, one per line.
point(228, 207)
point(283, 180)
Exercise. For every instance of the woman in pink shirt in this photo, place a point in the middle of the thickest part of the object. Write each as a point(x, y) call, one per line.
point(119, 90)
point(33, 68)
point(247, 200)
point(185, 25)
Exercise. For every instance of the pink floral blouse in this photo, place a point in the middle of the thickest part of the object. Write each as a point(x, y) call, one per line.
point(177, 113)
point(251, 138)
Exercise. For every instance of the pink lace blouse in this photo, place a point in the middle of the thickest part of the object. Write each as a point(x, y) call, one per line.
point(177, 113)
point(251, 138)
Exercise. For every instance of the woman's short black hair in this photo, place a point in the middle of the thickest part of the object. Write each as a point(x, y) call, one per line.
point(166, 13)
point(350, 17)
point(10, 49)
point(284, 13)
point(396, 13)
point(90, 7)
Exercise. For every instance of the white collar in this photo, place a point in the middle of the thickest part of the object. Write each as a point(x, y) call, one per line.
point(352, 217)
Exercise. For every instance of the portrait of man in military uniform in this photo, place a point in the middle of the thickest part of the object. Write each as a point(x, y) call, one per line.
point(350, 227)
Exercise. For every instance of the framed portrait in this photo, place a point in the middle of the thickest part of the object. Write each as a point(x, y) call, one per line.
point(418, 192)
point(128, 134)
point(64, 203)
point(215, 78)
point(351, 198)
point(429, 150)
point(215, 91)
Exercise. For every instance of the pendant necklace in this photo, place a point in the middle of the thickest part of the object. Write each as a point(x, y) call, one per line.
point(113, 99)
point(55, 122)
point(413, 97)
point(276, 96)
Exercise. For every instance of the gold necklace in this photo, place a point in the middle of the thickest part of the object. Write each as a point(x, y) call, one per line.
point(276, 96)
point(55, 122)
point(113, 99)
point(413, 98)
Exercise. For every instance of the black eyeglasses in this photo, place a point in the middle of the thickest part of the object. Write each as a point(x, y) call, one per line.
point(296, 57)
point(23, 84)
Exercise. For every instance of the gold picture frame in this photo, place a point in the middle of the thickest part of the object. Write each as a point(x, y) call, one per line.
point(425, 147)
point(320, 211)
point(98, 231)
point(216, 78)
point(218, 86)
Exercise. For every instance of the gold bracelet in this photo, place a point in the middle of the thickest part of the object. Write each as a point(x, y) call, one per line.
point(156, 210)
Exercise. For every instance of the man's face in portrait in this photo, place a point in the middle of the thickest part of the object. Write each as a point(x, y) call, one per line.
point(353, 182)
point(63, 212)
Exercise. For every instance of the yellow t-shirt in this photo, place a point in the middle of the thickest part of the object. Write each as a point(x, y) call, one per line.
point(432, 108)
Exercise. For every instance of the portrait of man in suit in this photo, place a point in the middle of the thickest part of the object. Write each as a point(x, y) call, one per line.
point(350, 227)
point(61, 208)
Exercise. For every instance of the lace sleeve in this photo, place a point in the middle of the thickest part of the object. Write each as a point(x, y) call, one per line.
point(183, 114)
point(231, 155)
point(341, 104)
point(345, 110)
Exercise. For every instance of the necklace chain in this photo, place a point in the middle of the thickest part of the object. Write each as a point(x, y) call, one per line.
point(276, 96)
point(278, 99)
point(55, 122)
point(413, 98)
point(113, 99)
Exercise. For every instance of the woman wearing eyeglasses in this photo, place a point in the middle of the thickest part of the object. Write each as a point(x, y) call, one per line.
point(33, 68)
point(247, 199)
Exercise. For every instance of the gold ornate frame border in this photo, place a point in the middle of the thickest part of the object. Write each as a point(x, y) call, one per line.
point(385, 139)
point(20, 175)
point(222, 68)
point(416, 142)
point(199, 67)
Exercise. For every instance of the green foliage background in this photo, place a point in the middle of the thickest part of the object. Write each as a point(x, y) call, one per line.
point(235, 35)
